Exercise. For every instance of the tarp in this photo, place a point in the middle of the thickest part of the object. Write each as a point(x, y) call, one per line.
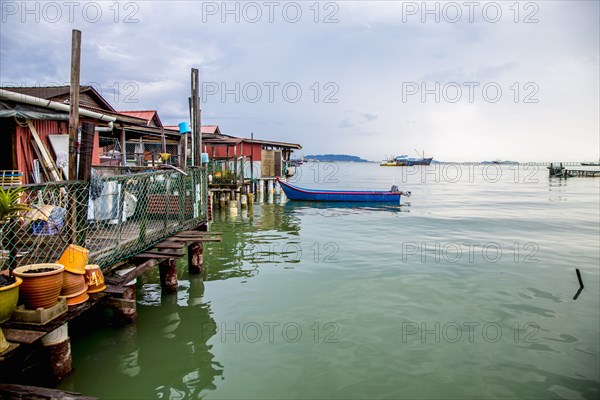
point(9, 110)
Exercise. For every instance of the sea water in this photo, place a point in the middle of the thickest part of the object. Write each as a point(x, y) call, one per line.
point(466, 290)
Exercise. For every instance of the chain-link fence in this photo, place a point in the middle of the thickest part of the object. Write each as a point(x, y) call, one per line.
point(151, 154)
point(113, 217)
point(226, 171)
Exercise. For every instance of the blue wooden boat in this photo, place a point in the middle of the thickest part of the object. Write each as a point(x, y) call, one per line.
point(296, 193)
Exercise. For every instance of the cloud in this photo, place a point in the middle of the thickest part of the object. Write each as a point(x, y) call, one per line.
point(351, 72)
point(369, 117)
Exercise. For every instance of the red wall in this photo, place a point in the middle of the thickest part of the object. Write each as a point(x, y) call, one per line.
point(242, 149)
point(25, 153)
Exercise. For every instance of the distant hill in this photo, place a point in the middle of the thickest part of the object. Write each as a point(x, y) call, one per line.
point(334, 157)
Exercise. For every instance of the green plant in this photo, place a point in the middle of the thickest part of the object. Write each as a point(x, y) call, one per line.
point(10, 207)
point(9, 202)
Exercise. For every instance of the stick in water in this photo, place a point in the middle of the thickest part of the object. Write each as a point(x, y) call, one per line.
point(579, 277)
point(580, 284)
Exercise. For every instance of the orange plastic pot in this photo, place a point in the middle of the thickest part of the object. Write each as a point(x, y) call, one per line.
point(74, 258)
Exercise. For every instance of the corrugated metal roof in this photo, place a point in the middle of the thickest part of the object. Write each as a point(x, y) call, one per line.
point(148, 115)
point(273, 143)
point(59, 93)
point(214, 129)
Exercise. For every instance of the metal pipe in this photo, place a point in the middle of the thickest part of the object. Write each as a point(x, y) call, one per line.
point(36, 101)
point(108, 128)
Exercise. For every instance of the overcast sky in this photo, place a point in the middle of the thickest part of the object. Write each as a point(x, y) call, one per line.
point(459, 80)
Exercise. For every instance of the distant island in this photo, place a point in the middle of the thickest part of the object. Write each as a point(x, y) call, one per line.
point(334, 157)
point(505, 162)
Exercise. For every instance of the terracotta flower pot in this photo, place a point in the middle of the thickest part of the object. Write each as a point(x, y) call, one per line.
point(73, 285)
point(40, 289)
point(80, 298)
point(94, 278)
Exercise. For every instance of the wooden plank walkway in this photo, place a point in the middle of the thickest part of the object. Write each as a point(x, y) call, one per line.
point(582, 173)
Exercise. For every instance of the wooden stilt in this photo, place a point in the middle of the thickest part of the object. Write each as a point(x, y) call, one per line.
point(195, 258)
point(124, 311)
point(56, 351)
point(168, 275)
point(125, 308)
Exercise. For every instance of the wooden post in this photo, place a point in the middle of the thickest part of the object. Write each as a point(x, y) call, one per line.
point(168, 275)
point(74, 129)
point(141, 155)
point(195, 258)
point(182, 151)
point(143, 207)
point(123, 148)
point(74, 101)
point(56, 347)
point(85, 173)
point(252, 162)
point(235, 167)
point(124, 309)
point(197, 139)
point(120, 208)
point(196, 127)
point(85, 151)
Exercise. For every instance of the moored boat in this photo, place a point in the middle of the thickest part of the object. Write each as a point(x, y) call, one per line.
point(406, 161)
point(297, 193)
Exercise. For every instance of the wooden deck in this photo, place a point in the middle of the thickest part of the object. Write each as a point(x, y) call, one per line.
point(582, 173)
point(24, 339)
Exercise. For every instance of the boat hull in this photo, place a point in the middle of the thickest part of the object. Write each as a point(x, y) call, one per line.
point(296, 193)
point(407, 163)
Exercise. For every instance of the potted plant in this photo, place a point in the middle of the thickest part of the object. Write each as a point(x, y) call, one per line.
point(9, 284)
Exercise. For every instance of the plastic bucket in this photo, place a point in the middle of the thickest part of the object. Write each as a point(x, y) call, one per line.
point(184, 127)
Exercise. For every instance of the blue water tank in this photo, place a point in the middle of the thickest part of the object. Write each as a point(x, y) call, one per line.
point(184, 127)
point(204, 158)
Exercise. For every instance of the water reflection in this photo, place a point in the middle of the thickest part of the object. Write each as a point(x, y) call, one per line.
point(268, 234)
point(164, 354)
point(346, 208)
point(177, 329)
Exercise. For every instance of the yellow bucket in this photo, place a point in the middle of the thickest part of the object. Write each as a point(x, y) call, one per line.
point(74, 258)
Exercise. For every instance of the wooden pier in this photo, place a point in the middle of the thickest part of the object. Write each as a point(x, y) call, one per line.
point(558, 170)
point(570, 173)
point(48, 347)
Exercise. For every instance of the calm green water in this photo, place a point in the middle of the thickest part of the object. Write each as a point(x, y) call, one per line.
point(465, 293)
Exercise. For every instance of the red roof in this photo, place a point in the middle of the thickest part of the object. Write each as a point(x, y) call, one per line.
point(147, 115)
point(214, 129)
point(172, 127)
point(207, 129)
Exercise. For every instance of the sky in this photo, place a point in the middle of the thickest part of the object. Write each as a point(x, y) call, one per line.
point(459, 81)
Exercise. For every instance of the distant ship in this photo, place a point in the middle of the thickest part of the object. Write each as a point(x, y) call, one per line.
point(406, 161)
